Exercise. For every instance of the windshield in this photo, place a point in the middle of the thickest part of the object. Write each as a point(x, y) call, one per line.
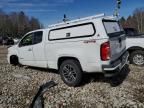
point(113, 28)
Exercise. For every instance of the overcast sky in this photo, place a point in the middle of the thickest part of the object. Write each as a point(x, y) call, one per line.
point(52, 11)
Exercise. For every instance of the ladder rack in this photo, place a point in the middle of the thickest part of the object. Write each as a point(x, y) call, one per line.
point(78, 20)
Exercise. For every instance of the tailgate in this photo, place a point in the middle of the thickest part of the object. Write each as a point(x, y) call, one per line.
point(117, 47)
point(116, 37)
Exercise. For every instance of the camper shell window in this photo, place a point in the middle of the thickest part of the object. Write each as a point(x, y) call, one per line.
point(75, 31)
point(113, 28)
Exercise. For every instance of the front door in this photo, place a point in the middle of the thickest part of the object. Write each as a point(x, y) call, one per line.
point(38, 49)
point(25, 50)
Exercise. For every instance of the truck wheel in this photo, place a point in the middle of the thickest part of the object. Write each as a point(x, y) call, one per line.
point(137, 57)
point(14, 60)
point(71, 73)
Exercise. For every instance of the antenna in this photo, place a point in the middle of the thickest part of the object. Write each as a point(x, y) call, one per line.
point(116, 13)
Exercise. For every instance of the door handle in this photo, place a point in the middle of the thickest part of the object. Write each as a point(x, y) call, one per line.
point(30, 49)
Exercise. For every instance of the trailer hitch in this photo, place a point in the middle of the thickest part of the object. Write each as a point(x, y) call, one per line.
point(38, 100)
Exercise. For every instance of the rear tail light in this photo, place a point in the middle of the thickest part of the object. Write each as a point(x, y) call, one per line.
point(105, 51)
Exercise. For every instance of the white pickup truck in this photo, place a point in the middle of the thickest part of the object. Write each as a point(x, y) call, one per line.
point(135, 47)
point(91, 44)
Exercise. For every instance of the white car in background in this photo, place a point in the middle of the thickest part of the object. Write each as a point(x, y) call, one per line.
point(16, 40)
point(135, 46)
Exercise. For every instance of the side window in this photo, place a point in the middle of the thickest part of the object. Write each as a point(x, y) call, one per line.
point(74, 31)
point(37, 37)
point(27, 40)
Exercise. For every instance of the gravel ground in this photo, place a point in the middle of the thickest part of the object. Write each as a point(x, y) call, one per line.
point(18, 86)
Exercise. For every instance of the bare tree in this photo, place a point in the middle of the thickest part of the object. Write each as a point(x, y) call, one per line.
point(16, 24)
point(138, 15)
point(136, 20)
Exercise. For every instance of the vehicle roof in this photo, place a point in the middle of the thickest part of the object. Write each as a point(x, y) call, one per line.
point(82, 20)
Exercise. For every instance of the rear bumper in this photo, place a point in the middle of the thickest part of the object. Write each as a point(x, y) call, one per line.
point(116, 66)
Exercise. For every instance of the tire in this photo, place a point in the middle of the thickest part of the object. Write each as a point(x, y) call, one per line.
point(137, 58)
point(14, 60)
point(71, 72)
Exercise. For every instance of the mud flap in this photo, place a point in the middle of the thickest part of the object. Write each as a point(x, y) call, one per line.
point(38, 100)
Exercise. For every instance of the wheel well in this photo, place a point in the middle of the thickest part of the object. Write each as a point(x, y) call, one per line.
point(13, 59)
point(61, 59)
point(131, 49)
